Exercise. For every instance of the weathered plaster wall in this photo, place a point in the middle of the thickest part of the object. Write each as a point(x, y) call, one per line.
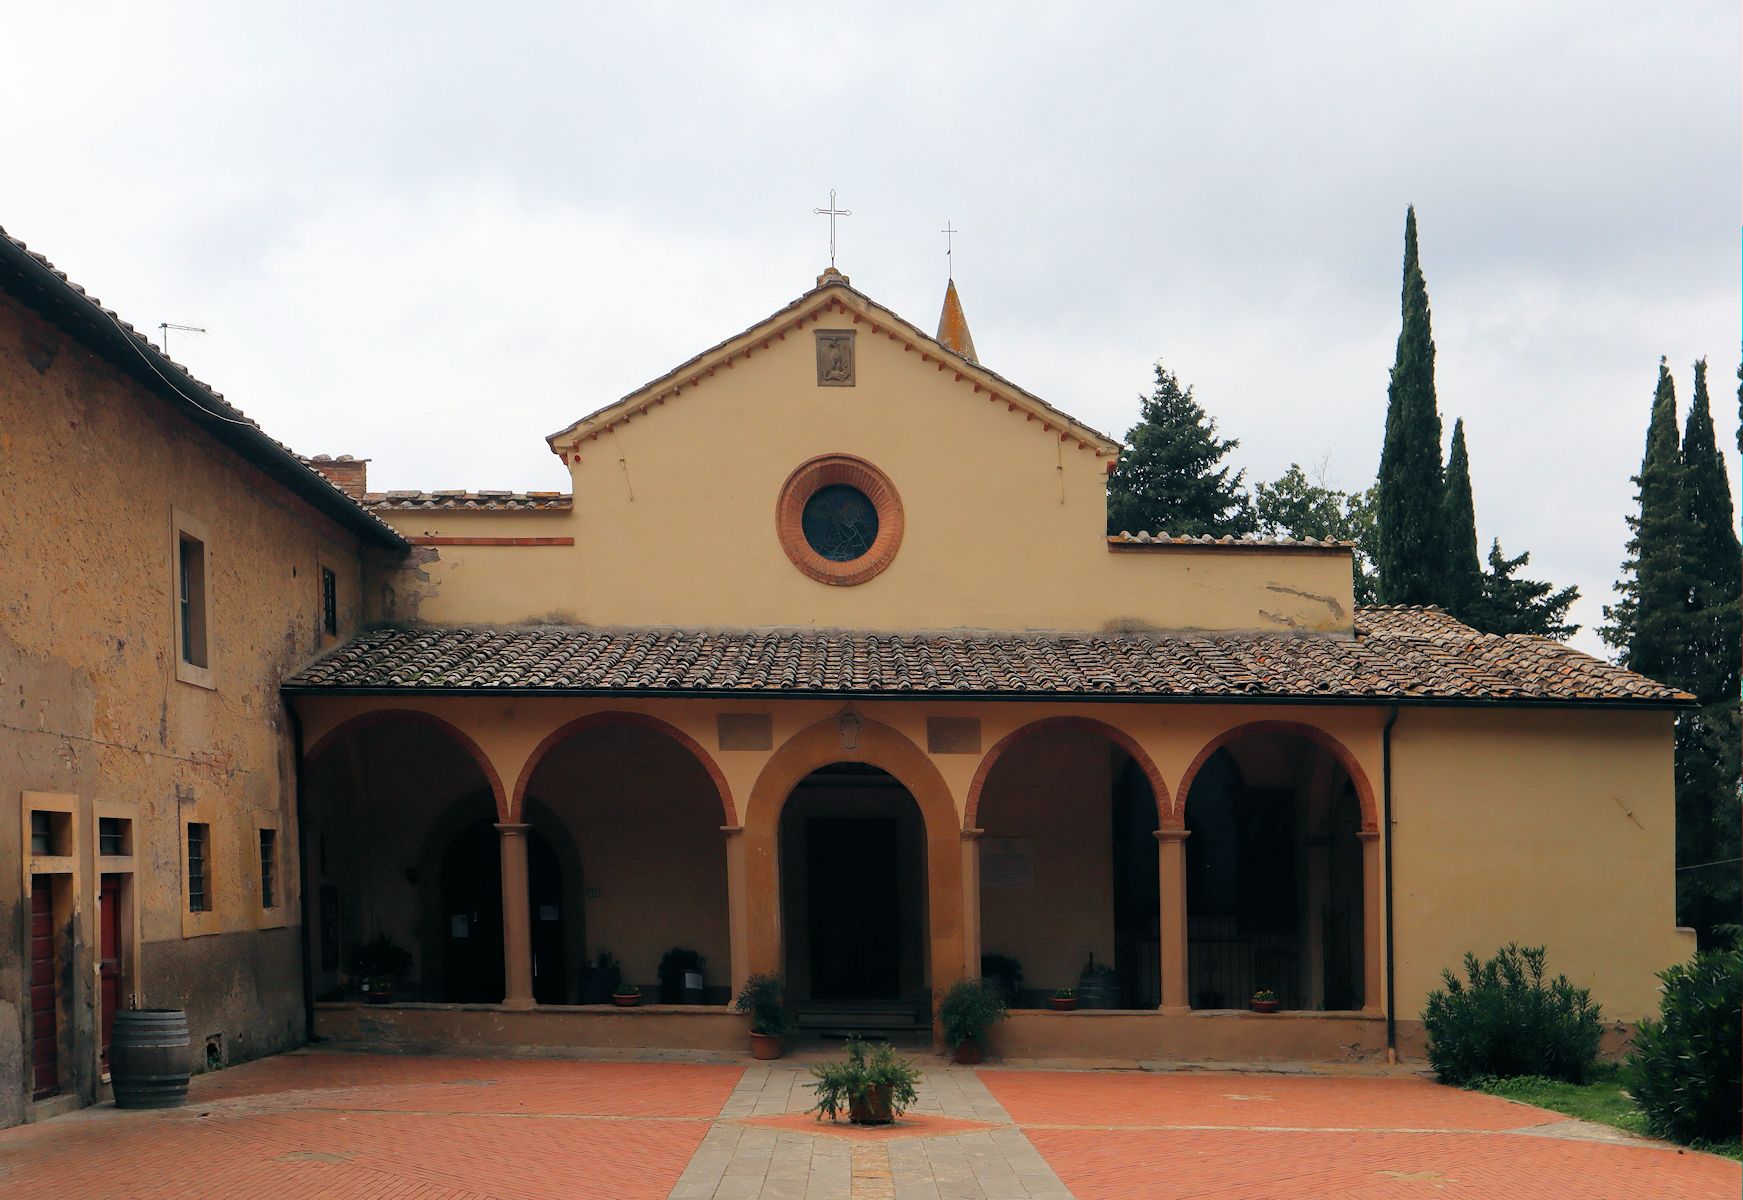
point(1553, 829)
point(91, 471)
point(1055, 792)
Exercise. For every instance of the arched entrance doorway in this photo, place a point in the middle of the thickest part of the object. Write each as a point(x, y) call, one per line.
point(853, 881)
point(470, 907)
point(1275, 887)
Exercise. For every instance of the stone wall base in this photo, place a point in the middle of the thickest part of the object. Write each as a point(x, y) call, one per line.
point(446, 1028)
point(1126, 1036)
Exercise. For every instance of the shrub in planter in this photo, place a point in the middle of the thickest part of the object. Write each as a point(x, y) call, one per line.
point(380, 965)
point(677, 967)
point(763, 999)
point(873, 1085)
point(1004, 973)
point(1064, 1000)
point(626, 995)
point(1265, 1001)
point(1505, 1019)
point(1686, 1069)
point(970, 1007)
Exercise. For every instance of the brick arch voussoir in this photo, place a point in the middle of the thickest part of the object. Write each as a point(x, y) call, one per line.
point(1113, 733)
point(639, 720)
point(1311, 733)
point(413, 716)
point(883, 746)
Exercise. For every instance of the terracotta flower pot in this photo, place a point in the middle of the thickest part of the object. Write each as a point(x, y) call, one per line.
point(1267, 1005)
point(872, 1107)
point(968, 1053)
point(765, 1046)
point(1063, 1003)
point(625, 1001)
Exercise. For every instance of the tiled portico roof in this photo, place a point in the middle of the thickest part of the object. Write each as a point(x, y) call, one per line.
point(1398, 654)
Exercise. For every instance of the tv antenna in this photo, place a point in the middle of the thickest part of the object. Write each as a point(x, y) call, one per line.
point(165, 326)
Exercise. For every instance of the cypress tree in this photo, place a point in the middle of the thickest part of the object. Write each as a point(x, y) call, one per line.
point(1464, 571)
point(1411, 509)
point(1646, 623)
point(1169, 479)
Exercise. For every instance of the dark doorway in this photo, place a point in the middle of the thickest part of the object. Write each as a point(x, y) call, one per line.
point(472, 913)
point(110, 905)
point(44, 991)
point(856, 939)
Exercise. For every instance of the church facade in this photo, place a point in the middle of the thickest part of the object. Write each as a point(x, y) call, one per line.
point(825, 667)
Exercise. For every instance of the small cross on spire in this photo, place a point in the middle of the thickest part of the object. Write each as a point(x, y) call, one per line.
point(949, 233)
point(832, 212)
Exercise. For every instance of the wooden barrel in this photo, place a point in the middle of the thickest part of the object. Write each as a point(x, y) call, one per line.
point(1098, 987)
point(148, 1058)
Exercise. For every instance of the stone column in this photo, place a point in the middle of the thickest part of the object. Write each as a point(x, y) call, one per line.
point(1171, 855)
point(517, 920)
point(737, 911)
point(971, 902)
point(1373, 924)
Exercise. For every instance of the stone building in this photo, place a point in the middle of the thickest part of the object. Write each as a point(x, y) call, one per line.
point(824, 666)
point(164, 565)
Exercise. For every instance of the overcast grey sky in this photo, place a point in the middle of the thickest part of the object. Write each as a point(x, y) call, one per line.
point(433, 234)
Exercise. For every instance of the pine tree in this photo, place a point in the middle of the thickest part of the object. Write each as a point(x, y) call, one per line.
point(1463, 588)
point(1411, 508)
point(1168, 480)
point(1646, 623)
point(1508, 605)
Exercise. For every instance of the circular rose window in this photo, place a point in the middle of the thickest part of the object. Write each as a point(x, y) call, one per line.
point(839, 519)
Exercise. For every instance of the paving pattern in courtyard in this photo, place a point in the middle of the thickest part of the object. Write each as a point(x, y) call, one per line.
point(338, 1125)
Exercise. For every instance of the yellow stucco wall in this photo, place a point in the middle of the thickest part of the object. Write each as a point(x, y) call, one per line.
point(674, 520)
point(95, 473)
point(1545, 828)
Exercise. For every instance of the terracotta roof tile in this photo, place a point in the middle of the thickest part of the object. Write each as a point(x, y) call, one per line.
point(1397, 653)
point(484, 500)
point(1125, 538)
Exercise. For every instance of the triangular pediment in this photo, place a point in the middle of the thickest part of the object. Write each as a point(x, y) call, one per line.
point(834, 299)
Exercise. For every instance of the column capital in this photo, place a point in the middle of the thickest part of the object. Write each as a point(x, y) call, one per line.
point(512, 830)
point(1173, 835)
point(732, 830)
point(969, 835)
point(1368, 835)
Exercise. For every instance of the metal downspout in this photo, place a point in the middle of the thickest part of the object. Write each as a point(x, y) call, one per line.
point(308, 968)
point(1386, 849)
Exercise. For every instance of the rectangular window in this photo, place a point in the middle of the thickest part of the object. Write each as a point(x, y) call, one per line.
point(41, 833)
point(269, 868)
point(192, 599)
point(199, 850)
point(112, 836)
point(329, 602)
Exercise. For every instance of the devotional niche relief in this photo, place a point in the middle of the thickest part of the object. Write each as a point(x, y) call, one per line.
point(834, 358)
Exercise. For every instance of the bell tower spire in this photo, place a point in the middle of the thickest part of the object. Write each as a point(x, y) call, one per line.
point(953, 326)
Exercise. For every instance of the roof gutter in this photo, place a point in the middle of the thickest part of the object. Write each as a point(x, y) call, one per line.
point(39, 286)
point(1386, 851)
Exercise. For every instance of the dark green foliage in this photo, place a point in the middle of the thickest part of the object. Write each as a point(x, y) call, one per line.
point(1410, 503)
point(1463, 587)
point(1713, 641)
point(1505, 604)
point(1708, 838)
point(1504, 1019)
point(839, 1084)
point(968, 1010)
point(1686, 1068)
point(1168, 479)
point(1003, 972)
point(383, 957)
point(763, 997)
point(1646, 624)
point(674, 964)
point(1295, 506)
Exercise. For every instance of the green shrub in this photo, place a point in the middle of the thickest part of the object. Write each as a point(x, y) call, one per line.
point(763, 998)
point(839, 1084)
point(1686, 1068)
point(1505, 1020)
point(969, 1009)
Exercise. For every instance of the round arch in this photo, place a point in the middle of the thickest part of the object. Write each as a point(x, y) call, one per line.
point(390, 716)
point(616, 717)
point(1312, 733)
point(1114, 734)
point(877, 745)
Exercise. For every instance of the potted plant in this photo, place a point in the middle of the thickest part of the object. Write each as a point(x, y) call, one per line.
point(379, 966)
point(681, 980)
point(626, 995)
point(1064, 1000)
point(970, 1007)
point(600, 976)
point(1004, 973)
point(873, 1085)
point(762, 998)
point(1265, 1000)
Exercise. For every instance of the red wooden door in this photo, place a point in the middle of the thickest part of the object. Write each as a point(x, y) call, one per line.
point(109, 966)
point(44, 998)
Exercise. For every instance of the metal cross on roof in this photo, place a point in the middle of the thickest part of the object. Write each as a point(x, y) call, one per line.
point(949, 233)
point(832, 212)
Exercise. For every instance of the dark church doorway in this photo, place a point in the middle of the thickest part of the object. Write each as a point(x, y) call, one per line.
point(472, 946)
point(853, 894)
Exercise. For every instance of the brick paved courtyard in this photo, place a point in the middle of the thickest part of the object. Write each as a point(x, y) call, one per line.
point(338, 1125)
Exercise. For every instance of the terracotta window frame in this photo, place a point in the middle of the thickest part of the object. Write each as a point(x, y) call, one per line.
point(193, 663)
point(827, 470)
